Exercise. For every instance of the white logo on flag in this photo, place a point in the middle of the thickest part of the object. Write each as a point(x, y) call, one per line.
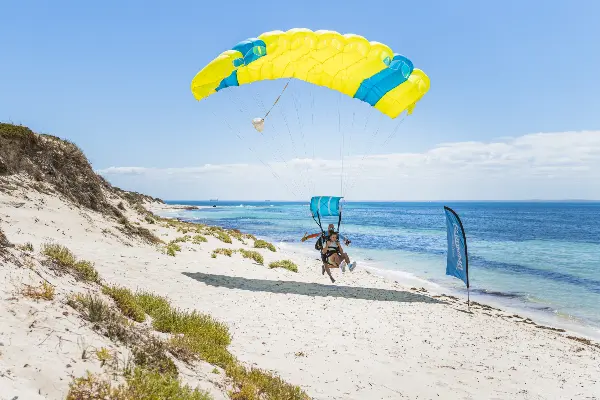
point(459, 263)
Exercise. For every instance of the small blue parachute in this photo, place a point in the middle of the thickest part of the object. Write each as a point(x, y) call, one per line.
point(325, 206)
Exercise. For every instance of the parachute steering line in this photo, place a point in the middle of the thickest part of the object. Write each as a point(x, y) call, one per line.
point(259, 123)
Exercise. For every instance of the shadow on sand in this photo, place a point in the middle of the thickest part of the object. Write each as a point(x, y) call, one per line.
point(309, 289)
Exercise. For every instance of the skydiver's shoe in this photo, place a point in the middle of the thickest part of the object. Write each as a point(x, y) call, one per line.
point(343, 266)
point(352, 266)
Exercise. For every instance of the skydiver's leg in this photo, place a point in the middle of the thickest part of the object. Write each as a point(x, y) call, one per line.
point(336, 260)
point(346, 258)
point(326, 266)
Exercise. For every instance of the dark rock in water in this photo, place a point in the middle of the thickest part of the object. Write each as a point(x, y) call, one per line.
point(214, 206)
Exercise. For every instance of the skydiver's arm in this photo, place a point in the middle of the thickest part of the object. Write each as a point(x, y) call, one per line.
point(346, 240)
point(325, 248)
point(306, 237)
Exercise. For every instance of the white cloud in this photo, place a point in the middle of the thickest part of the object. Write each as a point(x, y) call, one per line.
point(535, 166)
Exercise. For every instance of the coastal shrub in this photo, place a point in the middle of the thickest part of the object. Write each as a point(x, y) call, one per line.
point(263, 244)
point(222, 236)
point(224, 251)
point(103, 355)
point(149, 219)
point(60, 255)
point(93, 308)
point(236, 234)
point(254, 255)
point(139, 231)
point(64, 260)
point(172, 248)
point(26, 247)
point(199, 239)
point(121, 206)
point(152, 304)
point(200, 336)
point(257, 384)
point(195, 335)
point(182, 239)
point(86, 271)
point(126, 302)
point(286, 264)
point(249, 236)
point(151, 354)
point(43, 292)
point(140, 384)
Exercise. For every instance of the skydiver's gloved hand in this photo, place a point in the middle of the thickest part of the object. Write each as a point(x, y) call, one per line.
point(347, 242)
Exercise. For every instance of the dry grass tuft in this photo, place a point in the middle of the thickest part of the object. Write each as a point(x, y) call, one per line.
point(45, 291)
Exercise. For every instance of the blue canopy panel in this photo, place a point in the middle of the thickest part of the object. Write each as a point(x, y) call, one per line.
point(325, 206)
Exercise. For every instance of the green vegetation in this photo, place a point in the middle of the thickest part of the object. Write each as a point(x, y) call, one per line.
point(222, 236)
point(26, 247)
point(182, 239)
point(172, 248)
point(126, 302)
point(199, 239)
point(286, 264)
point(221, 250)
point(254, 255)
point(263, 244)
point(140, 384)
point(139, 231)
point(64, 261)
point(154, 375)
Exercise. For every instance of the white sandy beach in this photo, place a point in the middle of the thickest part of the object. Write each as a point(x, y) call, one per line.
point(363, 337)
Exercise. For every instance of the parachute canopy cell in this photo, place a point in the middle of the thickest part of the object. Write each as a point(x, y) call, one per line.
point(350, 64)
point(325, 206)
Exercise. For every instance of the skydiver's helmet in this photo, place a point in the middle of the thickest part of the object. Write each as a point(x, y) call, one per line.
point(259, 124)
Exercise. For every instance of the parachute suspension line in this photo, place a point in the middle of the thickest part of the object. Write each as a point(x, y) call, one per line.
point(341, 146)
point(275, 174)
point(371, 141)
point(278, 97)
point(391, 135)
point(240, 104)
point(310, 181)
point(276, 144)
point(312, 126)
point(293, 145)
point(271, 138)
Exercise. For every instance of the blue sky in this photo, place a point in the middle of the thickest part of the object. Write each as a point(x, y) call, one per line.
point(114, 78)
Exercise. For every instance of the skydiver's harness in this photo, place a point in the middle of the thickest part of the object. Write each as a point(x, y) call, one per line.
point(323, 239)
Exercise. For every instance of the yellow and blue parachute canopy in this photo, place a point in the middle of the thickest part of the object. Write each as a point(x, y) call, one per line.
point(350, 64)
point(325, 206)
